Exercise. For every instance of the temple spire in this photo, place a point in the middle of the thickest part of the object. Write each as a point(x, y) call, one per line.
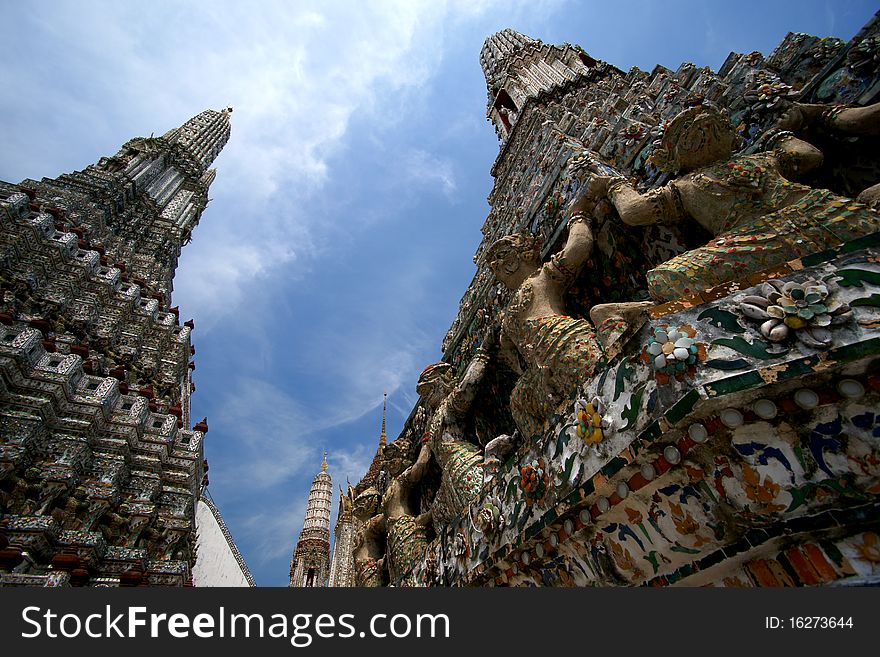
point(498, 52)
point(203, 136)
point(310, 565)
point(382, 438)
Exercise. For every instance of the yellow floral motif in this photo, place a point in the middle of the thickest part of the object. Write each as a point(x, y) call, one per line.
point(687, 525)
point(762, 492)
point(869, 549)
point(589, 423)
point(624, 559)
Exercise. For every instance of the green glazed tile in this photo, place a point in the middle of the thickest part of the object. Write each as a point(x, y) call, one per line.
point(683, 407)
point(744, 381)
point(651, 433)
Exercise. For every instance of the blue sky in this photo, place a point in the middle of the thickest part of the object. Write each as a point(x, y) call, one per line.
point(348, 202)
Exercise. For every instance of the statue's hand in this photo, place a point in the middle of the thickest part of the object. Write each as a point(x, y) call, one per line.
point(799, 116)
point(594, 190)
point(597, 187)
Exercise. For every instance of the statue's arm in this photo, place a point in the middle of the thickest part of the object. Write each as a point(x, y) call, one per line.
point(796, 157)
point(375, 525)
point(416, 471)
point(425, 519)
point(658, 206)
point(854, 121)
point(508, 352)
point(577, 249)
point(465, 391)
point(565, 265)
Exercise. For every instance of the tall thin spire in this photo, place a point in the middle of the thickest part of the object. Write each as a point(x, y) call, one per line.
point(382, 438)
point(310, 565)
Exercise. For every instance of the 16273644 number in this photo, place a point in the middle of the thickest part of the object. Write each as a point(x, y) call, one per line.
point(820, 622)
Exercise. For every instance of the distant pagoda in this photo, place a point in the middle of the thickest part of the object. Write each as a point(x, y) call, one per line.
point(310, 565)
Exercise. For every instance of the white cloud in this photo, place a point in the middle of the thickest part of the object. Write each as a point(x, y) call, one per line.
point(272, 533)
point(430, 171)
point(276, 434)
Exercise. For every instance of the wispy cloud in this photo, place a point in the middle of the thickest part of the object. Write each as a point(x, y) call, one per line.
point(277, 451)
point(426, 170)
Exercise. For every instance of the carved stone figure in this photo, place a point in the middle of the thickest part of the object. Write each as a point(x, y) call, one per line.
point(460, 460)
point(368, 552)
point(405, 531)
point(760, 218)
point(561, 352)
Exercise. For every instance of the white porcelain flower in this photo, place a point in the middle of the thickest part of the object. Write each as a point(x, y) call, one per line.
point(805, 309)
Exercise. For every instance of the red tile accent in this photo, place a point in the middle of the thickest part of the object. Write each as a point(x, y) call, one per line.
point(761, 573)
point(636, 481)
point(803, 567)
point(827, 396)
point(685, 444)
point(661, 465)
point(788, 405)
point(823, 567)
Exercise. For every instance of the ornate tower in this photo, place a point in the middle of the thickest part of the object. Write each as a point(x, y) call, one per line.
point(99, 473)
point(342, 564)
point(310, 565)
point(519, 68)
point(342, 568)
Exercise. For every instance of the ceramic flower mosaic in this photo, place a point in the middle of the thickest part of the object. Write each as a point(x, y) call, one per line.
point(803, 309)
point(534, 481)
point(768, 92)
point(588, 421)
point(490, 520)
point(673, 352)
point(632, 134)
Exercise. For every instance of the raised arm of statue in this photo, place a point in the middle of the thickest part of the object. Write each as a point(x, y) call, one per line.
point(426, 518)
point(658, 206)
point(508, 353)
point(853, 121)
point(414, 473)
point(375, 526)
point(571, 258)
point(461, 398)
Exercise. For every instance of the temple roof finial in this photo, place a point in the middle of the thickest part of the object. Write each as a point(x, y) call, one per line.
point(382, 438)
point(324, 464)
